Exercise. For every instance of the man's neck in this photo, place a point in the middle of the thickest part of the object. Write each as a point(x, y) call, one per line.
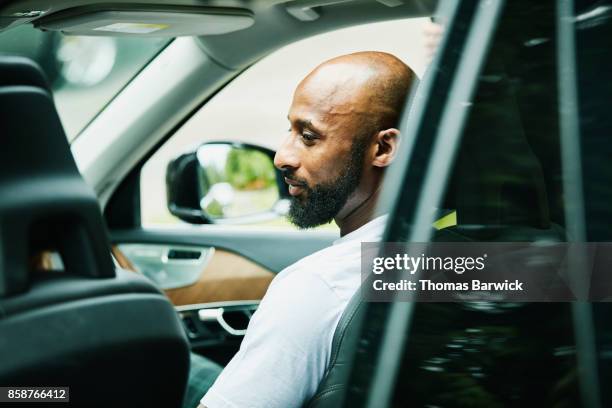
point(358, 216)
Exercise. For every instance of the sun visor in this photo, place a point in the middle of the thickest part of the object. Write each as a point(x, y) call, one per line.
point(160, 22)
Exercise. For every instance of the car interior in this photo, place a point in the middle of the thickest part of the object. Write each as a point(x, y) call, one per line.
point(93, 297)
point(79, 309)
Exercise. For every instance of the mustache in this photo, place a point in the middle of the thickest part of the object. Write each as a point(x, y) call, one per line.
point(290, 174)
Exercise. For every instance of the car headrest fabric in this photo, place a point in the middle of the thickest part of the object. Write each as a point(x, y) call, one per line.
point(44, 201)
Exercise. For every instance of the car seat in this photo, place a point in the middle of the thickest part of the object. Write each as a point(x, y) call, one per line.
point(108, 334)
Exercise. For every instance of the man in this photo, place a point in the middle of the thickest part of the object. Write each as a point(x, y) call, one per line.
point(343, 135)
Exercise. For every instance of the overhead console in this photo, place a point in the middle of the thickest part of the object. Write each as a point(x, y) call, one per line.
point(126, 19)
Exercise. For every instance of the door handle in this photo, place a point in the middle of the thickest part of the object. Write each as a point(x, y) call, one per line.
point(183, 254)
point(207, 315)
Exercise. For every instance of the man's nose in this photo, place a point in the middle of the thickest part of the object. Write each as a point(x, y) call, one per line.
point(286, 156)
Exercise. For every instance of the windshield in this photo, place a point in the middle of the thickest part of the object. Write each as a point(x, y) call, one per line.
point(85, 73)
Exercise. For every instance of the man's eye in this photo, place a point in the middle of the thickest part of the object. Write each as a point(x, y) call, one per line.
point(308, 137)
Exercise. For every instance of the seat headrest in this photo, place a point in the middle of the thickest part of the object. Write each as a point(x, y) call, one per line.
point(44, 202)
point(18, 70)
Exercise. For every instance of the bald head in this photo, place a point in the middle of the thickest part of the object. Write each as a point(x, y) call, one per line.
point(372, 86)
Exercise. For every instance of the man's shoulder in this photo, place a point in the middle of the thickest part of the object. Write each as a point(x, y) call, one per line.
point(299, 306)
point(330, 256)
point(336, 267)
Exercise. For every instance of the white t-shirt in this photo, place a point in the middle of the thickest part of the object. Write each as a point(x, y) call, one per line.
point(283, 357)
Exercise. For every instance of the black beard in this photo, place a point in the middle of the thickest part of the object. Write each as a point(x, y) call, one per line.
point(324, 201)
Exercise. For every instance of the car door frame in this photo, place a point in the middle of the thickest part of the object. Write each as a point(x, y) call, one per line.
point(432, 130)
point(440, 144)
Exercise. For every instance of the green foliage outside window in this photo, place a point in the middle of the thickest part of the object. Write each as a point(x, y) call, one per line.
point(248, 169)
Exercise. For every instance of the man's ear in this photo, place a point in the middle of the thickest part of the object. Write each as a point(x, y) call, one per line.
point(387, 142)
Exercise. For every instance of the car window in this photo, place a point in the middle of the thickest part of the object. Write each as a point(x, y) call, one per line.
point(85, 73)
point(508, 184)
point(593, 31)
point(593, 60)
point(253, 108)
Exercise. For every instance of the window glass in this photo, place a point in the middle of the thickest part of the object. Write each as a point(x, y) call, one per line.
point(84, 72)
point(594, 63)
point(505, 185)
point(253, 108)
point(593, 30)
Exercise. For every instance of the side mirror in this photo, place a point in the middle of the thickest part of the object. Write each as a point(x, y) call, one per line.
point(226, 183)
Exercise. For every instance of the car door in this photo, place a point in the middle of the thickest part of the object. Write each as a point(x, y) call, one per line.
point(519, 150)
point(216, 269)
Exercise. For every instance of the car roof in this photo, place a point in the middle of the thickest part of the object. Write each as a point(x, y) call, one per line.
point(274, 27)
point(274, 22)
